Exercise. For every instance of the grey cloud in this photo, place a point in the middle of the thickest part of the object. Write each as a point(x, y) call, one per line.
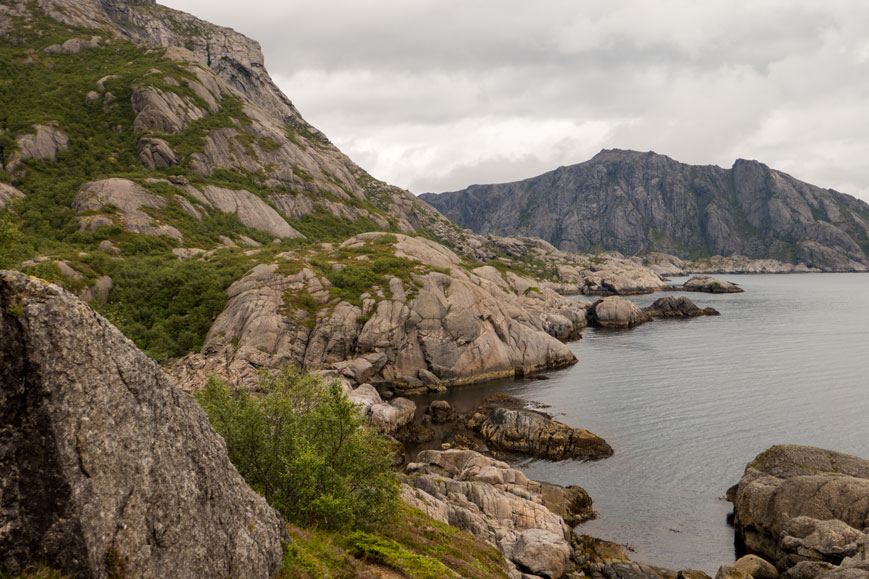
point(704, 82)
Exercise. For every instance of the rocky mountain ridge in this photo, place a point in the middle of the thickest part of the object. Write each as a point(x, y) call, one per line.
point(638, 203)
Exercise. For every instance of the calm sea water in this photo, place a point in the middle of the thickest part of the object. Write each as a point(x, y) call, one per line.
point(687, 403)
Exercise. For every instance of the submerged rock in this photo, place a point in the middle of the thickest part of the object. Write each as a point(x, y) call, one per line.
point(800, 503)
point(102, 457)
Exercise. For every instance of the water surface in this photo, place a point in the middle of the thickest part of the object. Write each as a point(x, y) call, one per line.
point(687, 403)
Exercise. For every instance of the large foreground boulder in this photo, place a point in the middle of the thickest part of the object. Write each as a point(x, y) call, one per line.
point(616, 312)
point(803, 504)
point(104, 463)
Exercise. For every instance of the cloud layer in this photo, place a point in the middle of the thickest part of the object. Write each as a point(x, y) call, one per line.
point(435, 96)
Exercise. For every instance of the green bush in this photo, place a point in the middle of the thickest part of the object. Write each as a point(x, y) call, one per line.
point(9, 236)
point(304, 447)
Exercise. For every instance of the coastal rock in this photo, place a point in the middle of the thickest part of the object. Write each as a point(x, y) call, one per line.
point(756, 567)
point(606, 560)
point(441, 412)
point(728, 572)
point(616, 312)
point(677, 307)
point(541, 553)
point(8, 193)
point(800, 503)
point(389, 417)
point(741, 264)
point(491, 501)
point(460, 327)
point(528, 432)
point(807, 570)
point(102, 457)
point(710, 285)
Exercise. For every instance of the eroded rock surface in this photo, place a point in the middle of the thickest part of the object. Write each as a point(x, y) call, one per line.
point(457, 327)
point(800, 503)
point(100, 454)
point(8, 193)
point(532, 433)
point(129, 199)
point(495, 503)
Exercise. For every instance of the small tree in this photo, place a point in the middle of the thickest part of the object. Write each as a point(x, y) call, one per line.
point(303, 446)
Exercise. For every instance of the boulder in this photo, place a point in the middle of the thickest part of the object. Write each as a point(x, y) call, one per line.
point(807, 570)
point(800, 503)
point(677, 307)
point(710, 285)
point(103, 458)
point(441, 412)
point(389, 417)
point(541, 553)
point(616, 312)
point(756, 567)
point(528, 432)
point(728, 572)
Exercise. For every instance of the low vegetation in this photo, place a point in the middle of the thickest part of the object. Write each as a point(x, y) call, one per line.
point(303, 445)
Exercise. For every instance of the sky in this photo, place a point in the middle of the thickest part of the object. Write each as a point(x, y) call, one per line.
point(437, 95)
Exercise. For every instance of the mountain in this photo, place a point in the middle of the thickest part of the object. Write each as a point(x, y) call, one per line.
point(637, 203)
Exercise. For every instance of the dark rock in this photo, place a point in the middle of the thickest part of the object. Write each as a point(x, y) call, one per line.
point(101, 455)
point(533, 433)
point(441, 412)
point(807, 570)
point(681, 307)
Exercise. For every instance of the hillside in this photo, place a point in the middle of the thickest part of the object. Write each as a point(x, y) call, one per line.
point(638, 203)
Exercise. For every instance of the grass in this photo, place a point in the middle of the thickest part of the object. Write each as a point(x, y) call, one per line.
point(413, 545)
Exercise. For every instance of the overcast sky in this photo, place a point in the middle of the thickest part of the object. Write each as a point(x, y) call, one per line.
point(438, 95)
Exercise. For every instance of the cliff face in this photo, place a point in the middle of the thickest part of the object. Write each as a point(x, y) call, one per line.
point(642, 202)
point(105, 464)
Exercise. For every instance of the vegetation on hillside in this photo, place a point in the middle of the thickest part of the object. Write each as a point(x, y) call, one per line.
point(303, 446)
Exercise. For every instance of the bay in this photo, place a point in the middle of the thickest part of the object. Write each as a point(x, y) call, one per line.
point(686, 404)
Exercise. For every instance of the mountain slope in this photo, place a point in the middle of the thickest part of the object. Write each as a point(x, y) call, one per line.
point(642, 202)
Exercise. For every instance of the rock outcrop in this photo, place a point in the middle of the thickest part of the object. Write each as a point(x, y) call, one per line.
point(710, 285)
point(496, 503)
point(439, 323)
point(677, 307)
point(103, 459)
point(799, 504)
point(638, 203)
point(45, 143)
point(528, 432)
point(123, 200)
point(8, 194)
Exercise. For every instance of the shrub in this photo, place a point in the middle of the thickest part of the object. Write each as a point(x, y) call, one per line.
point(9, 236)
point(304, 447)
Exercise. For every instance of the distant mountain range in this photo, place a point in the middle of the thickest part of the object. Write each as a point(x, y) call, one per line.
point(637, 203)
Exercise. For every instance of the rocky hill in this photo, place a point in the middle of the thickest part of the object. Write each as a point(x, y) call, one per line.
point(638, 203)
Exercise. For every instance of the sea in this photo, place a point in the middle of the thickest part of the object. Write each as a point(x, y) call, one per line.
point(686, 404)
